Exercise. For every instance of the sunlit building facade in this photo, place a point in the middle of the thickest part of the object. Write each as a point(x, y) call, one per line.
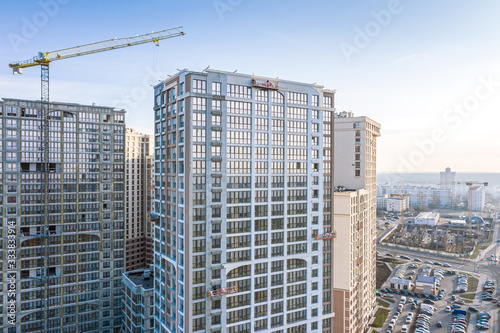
point(138, 199)
point(242, 165)
point(354, 253)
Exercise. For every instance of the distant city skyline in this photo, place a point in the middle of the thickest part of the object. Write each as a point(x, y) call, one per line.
point(432, 81)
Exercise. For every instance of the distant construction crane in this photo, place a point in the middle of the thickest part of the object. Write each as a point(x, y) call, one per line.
point(43, 59)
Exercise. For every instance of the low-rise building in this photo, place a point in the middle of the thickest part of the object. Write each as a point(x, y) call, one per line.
point(401, 284)
point(426, 284)
point(427, 218)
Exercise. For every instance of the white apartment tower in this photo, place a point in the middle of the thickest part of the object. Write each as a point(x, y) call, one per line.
point(477, 198)
point(83, 210)
point(354, 250)
point(448, 180)
point(243, 196)
point(139, 149)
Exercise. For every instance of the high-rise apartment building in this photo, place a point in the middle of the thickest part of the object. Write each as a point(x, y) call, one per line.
point(85, 218)
point(355, 205)
point(448, 179)
point(139, 149)
point(243, 179)
point(477, 198)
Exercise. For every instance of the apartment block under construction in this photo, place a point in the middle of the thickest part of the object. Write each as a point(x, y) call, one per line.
point(80, 288)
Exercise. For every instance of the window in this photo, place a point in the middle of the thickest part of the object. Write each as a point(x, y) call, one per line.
point(277, 111)
point(277, 139)
point(261, 110)
point(199, 104)
point(239, 152)
point(239, 137)
point(199, 166)
point(234, 90)
point(199, 86)
point(261, 124)
point(277, 97)
point(327, 101)
point(216, 135)
point(216, 105)
point(199, 119)
point(199, 135)
point(239, 108)
point(297, 98)
point(216, 150)
point(261, 95)
point(315, 100)
point(199, 151)
point(297, 126)
point(216, 166)
point(240, 167)
point(261, 138)
point(260, 153)
point(277, 125)
point(237, 122)
point(216, 120)
point(216, 88)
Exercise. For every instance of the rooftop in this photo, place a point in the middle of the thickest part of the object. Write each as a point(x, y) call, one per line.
point(138, 279)
point(400, 281)
point(428, 215)
point(426, 279)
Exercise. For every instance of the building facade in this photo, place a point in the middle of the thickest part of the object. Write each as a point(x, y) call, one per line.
point(477, 198)
point(355, 151)
point(427, 218)
point(242, 179)
point(85, 214)
point(139, 158)
point(396, 204)
point(421, 196)
point(138, 301)
point(448, 180)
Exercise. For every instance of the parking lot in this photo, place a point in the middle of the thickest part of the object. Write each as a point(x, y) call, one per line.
point(449, 282)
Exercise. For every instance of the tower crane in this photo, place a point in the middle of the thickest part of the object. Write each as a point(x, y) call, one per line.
point(43, 59)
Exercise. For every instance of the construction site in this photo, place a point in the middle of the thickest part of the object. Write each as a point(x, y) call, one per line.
point(444, 237)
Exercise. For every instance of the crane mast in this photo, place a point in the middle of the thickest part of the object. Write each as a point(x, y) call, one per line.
point(43, 59)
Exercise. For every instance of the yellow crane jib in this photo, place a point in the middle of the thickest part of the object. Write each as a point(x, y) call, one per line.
point(44, 58)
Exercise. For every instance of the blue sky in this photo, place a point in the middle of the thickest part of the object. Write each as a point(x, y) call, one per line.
point(426, 70)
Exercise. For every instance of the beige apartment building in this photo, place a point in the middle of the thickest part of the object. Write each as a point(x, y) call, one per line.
point(354, 221)
point(138, 199)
